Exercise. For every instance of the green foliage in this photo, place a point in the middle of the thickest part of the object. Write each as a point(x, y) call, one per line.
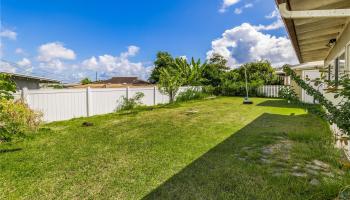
point(17, 119)
point(57, 86)
point(289, 94)
point(7, 87)
point(85, 81)
point(131, 103)
point(337, 114)
point(214, 70)
point(170, 81)
point(190, 72)
point(208, 89)
point(232, 83)
point(260, 71)
point(172, 73)
point(164, 60)
point(190, 94)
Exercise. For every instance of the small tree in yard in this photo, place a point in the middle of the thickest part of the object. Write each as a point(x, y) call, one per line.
point(7, 87)
point(170, 81)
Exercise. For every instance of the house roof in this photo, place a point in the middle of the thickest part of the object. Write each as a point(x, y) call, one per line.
point(310, 36)
point(24, 76)
point(309, 65)
point(123, 80)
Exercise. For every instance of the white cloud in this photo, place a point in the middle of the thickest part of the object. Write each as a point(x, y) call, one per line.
point(20, 51)
point(238, 11)
point(245, 43)
point(248, 5)
point(7, 67)
point(8, 34)
point(24, 62)
point(91, 63)
point(56, 65)
point(275, 25)
point(226, 4)
point(184, 57)
point(53, 51)
point(132, 51)
point(109, 65)
point(274, 14)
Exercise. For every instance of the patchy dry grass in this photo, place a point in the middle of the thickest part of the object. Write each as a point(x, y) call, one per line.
point(210, 149)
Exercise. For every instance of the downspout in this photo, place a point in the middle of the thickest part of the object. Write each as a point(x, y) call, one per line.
point(332, 13)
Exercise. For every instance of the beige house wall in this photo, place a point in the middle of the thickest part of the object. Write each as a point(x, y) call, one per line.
point(295, 86)
point(340, 46)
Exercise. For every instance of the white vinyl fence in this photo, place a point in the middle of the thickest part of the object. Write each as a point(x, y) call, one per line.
point(64, 104)
point(270, 90)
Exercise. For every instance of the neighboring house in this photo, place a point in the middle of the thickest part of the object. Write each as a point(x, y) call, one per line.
point(29, 82)
point(116, 82)
point(124, 81)
point(320, 34)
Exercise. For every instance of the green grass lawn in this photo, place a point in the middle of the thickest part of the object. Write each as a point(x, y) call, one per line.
point(210, 149)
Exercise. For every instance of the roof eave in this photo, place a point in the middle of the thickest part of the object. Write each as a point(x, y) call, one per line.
point(289, 24)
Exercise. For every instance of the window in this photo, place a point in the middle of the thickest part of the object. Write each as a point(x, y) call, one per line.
point(341, 65)
point(331, 71)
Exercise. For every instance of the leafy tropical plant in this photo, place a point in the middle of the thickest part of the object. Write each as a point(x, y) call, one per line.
point(7, 87)
point(170, 81)
point(191, 72)
point(17, 119)
point(289, 94)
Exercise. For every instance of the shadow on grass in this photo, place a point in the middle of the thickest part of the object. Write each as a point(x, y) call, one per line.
point(9, 150)
point(233, 169)
point(279, 104)
point(142, 108)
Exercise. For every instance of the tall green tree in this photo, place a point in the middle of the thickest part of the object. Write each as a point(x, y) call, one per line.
point(163, 60)
point(7, 87)
point(214, 70)
point(261, 71)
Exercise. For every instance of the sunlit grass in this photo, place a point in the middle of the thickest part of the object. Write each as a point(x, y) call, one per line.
point(173, 152)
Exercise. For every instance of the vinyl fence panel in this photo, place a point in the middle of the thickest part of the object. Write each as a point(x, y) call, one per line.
point(270, 90)
point(64, 104)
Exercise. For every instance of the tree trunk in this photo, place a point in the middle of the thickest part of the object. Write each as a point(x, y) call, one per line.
point(171, 97)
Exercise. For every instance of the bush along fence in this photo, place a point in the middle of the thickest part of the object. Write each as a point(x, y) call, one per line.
point(64, 104)
point(337, 115)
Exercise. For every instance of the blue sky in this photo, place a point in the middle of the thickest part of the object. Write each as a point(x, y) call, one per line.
point(71, 39)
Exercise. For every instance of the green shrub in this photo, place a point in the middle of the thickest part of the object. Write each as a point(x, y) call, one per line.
point(131, 103)
point(190, 94)
point(289, 94)
point(231, 88)
point(17, 119)
point(209, 89)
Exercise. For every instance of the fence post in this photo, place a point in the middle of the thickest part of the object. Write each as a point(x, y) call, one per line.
point(154, 95)
point(127, 92)
point(24, 95)
point(88, 102)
